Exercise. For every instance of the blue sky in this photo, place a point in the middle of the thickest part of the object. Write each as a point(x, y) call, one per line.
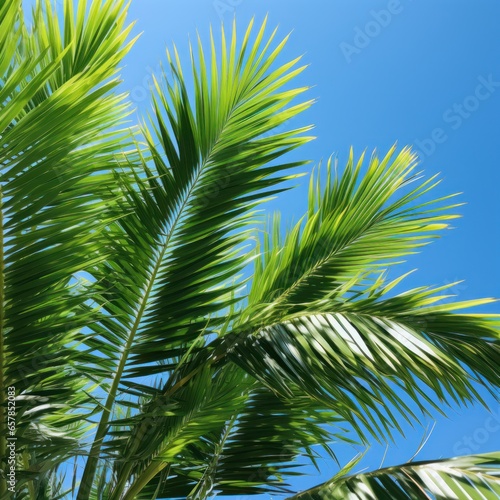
point(425, 73)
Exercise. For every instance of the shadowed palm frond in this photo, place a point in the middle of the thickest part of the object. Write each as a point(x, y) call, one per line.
point(252, 452)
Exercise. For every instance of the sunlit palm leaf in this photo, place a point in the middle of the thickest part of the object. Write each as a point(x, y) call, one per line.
point(205, 403)
point(211, 160)
point(56, 151)
point(357, 224)
point(359, 364)
point(474, 477)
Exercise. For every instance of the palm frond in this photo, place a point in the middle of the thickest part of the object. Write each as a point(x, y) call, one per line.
point(263, 448)
point(203, 405)
point(473, 477)
point(209, 161)
point(247, 451)
point(256, 451)
point(358, 224)
point(358, 364)
point(56, 151)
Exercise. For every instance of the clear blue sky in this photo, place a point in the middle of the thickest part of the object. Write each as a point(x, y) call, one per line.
point(425, 73)
point(417, 72)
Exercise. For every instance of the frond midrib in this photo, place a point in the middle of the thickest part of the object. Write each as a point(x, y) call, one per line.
point(318, 266)
point(201, 490)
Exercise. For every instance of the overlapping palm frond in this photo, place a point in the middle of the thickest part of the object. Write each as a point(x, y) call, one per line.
point(56, 153)
point(260, 452)
point(473, 477)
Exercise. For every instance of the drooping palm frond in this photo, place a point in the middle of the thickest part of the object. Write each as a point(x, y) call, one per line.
point(261, 452)
point(209, 161)
point(359, 364)
point(473, 477)
point(326, 328)
point(56, 152)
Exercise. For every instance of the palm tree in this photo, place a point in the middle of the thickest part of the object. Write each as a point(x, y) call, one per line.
point(127, 334)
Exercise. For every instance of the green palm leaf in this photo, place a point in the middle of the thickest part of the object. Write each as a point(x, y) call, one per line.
point(355, 226)
point(210, 161)
point(124, 327)
point(56, 112)
point(473, 477)
point(358, 364)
